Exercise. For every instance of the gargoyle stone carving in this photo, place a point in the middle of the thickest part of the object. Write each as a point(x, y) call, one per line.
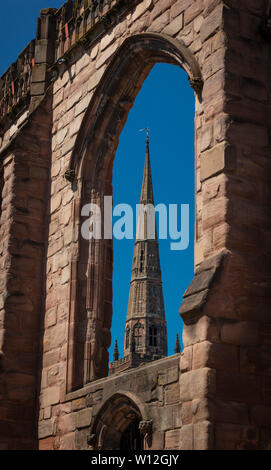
point(145, 427)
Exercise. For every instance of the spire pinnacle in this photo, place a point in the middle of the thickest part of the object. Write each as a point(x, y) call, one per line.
point(116, 352)
point(177, 348)
point(147, 129)
point(145, 336)
point(145, 322)
point(147, 188)
point(147, 135)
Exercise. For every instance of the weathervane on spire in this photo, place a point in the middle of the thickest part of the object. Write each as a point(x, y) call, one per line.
point(147, 129)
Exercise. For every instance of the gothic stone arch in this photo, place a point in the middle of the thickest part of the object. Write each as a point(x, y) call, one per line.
point(117, 90)
point(219, 388)
point(91, 164)
point(114, 417)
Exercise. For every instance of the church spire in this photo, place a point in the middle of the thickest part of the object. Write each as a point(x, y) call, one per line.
point(145, 322)
point(145, 328)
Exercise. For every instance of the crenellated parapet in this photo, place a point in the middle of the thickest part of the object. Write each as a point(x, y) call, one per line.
point(15, 84)
point(77, 22)
point(76, 18)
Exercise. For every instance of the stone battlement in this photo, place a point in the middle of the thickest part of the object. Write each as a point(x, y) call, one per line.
point(58, 31)
point(15, 85)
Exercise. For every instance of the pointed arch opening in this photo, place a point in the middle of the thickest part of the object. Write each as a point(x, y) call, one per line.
point(169, 111)
point(92, 164)
point(118, 424)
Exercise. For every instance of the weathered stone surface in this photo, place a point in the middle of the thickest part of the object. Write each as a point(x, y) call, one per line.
point(196, 295)
point(83, 418)
point(211, 24)
point(167, 417)
point(158, 441)
point(66, 424)
point(46, 444)
point(175, 26)
point(195, 411)
point(78, 404)
point(217, 392)
point(237, 387)
point(186, 437)
point(140, 9)
point(47, 428)
point(50, 396)
point(240, 333)
point(192, 305)
point(236, 437)
point(186, 359)
point(172, 439)
point(201, 282)
point(228, 412)
point(172, 394)
point(215, 355)
point(206, 328)
point(203, 436)
point(199, 383)
point(220, 158)
point(81, 439)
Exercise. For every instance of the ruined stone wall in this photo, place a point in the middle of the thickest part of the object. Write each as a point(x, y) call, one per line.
point(224, 380)
point(23, 248)
point(227, 326)
point(153, 387)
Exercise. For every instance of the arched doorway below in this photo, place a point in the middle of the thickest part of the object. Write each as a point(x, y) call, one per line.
point(131, 438)
point(118, 425)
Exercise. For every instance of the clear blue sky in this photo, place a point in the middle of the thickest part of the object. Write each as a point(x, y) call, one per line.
point(166, 104)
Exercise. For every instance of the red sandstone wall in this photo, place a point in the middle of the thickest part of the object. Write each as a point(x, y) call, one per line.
point(23, 248)
point(225, 367)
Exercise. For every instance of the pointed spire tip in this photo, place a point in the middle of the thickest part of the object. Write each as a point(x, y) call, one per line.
point(177, 348)
point(116, 351)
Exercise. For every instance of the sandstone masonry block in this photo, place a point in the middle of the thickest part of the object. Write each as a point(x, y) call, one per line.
point(172, 393)
point(66, 423)
point(180, 7)
point(186, 359)
point(140, 9)
point(50, 396)
point(203, 435)
point(199, 383)
point(193, 11)
point(205, 328)
point(46, 444)
point(175, 26)
point(83, 418)
point(237, 387)
point(215, 355)
point(186, 437)
point(211, 23)
point(229, 412)
point(160, 23)
point(47, 428)
point(216, 160)
point(172, 439)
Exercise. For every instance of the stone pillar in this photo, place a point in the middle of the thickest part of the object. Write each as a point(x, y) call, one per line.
point(225, 381)
point(23, 247)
